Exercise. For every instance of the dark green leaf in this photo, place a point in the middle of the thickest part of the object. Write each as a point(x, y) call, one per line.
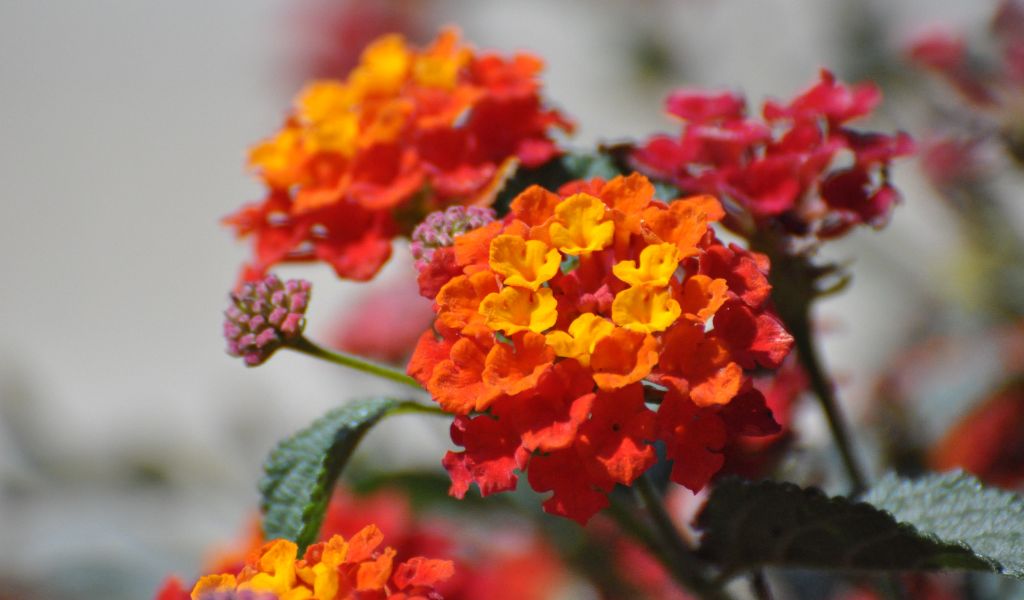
point(747, 525)
point(301, 472)
point(957, 508)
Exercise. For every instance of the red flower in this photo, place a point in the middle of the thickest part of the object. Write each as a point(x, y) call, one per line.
point(987, 441)
point(946, 54)
point(780, 169)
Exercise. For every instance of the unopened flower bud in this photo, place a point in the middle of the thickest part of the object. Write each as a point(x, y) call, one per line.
point(264, 316)
point(440, 229)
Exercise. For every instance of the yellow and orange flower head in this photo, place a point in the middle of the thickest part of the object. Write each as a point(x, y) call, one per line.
point(336, 569)
point(408, 131)
point(552, 323)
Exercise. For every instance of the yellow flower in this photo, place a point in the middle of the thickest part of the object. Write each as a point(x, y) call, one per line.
point(584, 334)
point(276, 158)
point(514, 309)
point(657, 265)
point(382, 68)
point(326, 109)
point(208, 584)
point(581, 227)
point(276, 569)
point(523, 263)
point(645, 309)
point(325, 578)
point(439, 66)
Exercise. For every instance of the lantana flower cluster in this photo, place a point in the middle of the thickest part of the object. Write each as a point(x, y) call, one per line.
point(489, 559)
point(557, 326)
point(798, 168)
point(360, 160)
point(336, 569)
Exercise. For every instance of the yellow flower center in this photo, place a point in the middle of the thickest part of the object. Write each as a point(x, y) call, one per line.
point(580, 227)
point(523, 263)
point(515, 309)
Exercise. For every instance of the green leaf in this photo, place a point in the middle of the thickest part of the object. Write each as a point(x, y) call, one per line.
point(301, 471)
point(747, 525)
point(957, 508)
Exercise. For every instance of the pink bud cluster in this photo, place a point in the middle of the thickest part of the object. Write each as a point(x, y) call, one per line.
point(264, 316)
point(440, 228)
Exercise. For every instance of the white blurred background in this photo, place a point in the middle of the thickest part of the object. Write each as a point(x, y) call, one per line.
point(129, 442)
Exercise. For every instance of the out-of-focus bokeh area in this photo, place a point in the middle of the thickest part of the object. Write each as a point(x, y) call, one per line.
point(130, 444)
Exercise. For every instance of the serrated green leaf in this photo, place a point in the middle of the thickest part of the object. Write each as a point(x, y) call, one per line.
point(301, 471)
point(747, 525)
point(957, 508)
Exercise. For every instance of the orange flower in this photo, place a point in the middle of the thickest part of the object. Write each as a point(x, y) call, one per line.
point(459, 300)
point(593, 291)
point(408, 131)
point(622, 358)
point(702, 297)
point(335, 569)
point(457, 382)
point(516, 367)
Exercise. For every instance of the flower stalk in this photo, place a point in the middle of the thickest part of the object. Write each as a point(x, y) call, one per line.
point(822, 386)
point(795, 286)
point(304, 345)
point(675, 553)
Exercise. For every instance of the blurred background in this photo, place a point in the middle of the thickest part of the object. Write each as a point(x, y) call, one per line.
point(130, 443)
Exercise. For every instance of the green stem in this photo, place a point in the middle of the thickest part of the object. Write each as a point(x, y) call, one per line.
point(623, 514)
point(302, 344)
point(677, 556)
point(794, 288)
point(411, 407)
point(823, 389)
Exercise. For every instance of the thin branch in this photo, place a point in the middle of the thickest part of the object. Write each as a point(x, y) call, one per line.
point(824, 390)
point(304, 345)
point(677, 555)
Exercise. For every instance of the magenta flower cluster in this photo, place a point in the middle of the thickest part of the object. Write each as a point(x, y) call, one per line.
point(264, 316)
